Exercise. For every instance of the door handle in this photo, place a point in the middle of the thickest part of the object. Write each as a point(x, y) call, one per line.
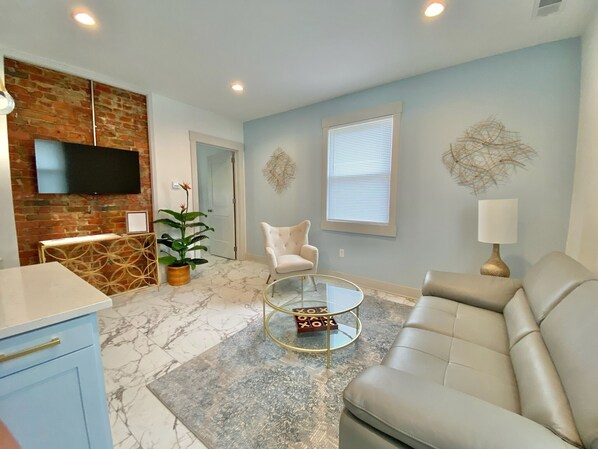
point(210, 210)
point(15, 355)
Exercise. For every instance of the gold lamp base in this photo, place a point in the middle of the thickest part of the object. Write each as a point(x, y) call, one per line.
point(495, 265)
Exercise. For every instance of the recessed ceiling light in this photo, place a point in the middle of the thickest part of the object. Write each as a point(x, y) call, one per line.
point(84, 18)
point(434, 9)
point(237, 87)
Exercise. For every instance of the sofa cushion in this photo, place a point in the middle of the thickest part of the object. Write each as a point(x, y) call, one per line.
point(456, 363)
point(479, 326)
point(541, 394)
point(570, 332)
point(421, 353)
point(519, 318)
point(551, 279)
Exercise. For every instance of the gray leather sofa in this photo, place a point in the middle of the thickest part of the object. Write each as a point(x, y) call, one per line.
point(485, 362)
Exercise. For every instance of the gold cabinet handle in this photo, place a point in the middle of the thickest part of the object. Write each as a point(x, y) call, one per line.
point(15, 355)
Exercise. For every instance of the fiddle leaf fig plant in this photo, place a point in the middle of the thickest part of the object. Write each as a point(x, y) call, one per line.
point(192, 231)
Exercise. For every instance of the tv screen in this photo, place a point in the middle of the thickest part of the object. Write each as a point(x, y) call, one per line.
point(77, 168)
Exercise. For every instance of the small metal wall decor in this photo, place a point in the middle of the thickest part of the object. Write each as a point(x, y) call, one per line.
point(279, 170)
point(486, 155)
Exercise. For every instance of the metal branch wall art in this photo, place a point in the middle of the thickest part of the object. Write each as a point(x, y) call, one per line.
point(280, 170)
point(486, 155)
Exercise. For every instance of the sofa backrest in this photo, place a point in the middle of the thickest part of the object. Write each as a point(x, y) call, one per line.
point(537, 317)
point(519, 318)
point(550, 280)
point(541, 395)
point(570, 332)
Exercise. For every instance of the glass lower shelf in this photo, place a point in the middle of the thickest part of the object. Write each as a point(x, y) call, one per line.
point(282, 329)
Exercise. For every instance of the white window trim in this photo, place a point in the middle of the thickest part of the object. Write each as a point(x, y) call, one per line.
point(387, 230)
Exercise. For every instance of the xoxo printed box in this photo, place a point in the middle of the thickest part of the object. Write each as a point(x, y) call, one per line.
point(313, 323)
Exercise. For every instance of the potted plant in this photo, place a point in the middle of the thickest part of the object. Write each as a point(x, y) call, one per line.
point(192, 232)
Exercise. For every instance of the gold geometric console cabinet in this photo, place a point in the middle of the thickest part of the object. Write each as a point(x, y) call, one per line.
point(110, 262)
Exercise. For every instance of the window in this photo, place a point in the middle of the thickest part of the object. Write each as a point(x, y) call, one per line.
point(360, 171)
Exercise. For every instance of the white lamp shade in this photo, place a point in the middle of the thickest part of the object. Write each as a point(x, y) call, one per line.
point(497, 221)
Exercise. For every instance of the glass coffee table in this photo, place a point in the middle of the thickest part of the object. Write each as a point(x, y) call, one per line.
point(316, 314)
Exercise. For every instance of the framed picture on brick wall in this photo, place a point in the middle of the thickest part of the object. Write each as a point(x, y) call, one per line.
point(137, 222)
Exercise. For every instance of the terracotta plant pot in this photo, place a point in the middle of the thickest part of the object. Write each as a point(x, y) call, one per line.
point(179, 275)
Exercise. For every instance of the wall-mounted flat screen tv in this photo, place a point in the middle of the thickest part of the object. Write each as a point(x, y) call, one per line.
point(77, 168)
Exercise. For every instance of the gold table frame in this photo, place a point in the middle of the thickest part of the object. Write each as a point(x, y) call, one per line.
point(286, 308)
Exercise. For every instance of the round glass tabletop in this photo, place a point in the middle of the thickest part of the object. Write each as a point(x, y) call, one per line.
point(317, 295)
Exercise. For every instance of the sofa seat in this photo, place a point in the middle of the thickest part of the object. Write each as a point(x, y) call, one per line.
point(459, 346)
point(456, 363)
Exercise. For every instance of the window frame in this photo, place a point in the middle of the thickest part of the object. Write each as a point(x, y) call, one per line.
point(359, 227)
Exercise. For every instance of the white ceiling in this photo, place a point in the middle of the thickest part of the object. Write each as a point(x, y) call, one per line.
point(289, 53)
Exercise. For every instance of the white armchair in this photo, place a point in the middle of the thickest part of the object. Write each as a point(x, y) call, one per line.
point(288, 250)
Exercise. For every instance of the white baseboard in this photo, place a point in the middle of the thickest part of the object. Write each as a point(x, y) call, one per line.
point(255, 258)
point(396, 289)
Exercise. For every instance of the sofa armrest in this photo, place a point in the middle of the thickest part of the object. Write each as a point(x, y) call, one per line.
point(310, 253)
point(271, 256)
point(423, 414)
point(488, 292)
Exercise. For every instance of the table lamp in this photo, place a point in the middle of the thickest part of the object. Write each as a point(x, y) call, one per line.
point(497, 223)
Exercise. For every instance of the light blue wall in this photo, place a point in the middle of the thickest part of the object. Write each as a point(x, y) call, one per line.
point(534, 91)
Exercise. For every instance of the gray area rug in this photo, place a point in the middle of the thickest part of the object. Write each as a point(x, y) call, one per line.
point(246, 393)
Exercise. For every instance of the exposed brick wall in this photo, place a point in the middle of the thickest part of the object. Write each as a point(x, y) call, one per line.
point(57, 106)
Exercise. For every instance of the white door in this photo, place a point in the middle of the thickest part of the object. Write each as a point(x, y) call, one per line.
point(221, 207)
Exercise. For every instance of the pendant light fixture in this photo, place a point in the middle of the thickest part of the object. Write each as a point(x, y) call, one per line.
point(7, 104)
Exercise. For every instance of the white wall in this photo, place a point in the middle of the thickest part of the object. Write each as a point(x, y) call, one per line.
point(8, 233)
point(534, 91)
point(170, 123)
point(582, 239)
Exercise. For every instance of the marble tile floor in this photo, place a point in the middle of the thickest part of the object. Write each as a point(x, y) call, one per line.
point(153, 331)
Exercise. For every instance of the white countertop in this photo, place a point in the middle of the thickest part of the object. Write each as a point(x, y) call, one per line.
point(40, 295)
point(80, 239)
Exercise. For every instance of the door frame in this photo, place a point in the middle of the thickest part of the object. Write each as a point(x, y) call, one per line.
point(239, 179)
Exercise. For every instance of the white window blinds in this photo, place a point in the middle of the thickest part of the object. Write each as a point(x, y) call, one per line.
point(359, 171)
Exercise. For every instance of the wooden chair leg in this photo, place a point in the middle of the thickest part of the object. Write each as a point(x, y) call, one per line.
point(268, 280)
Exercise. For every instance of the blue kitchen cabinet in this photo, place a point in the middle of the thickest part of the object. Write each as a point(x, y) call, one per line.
point(54, 397)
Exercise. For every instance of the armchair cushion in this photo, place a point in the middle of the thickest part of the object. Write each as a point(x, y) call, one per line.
point(287, 239)
point(291, 262)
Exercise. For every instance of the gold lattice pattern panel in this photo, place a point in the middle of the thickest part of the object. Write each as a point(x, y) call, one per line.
point(112, 266)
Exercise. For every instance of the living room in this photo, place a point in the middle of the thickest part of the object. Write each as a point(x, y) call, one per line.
point(477, 64)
